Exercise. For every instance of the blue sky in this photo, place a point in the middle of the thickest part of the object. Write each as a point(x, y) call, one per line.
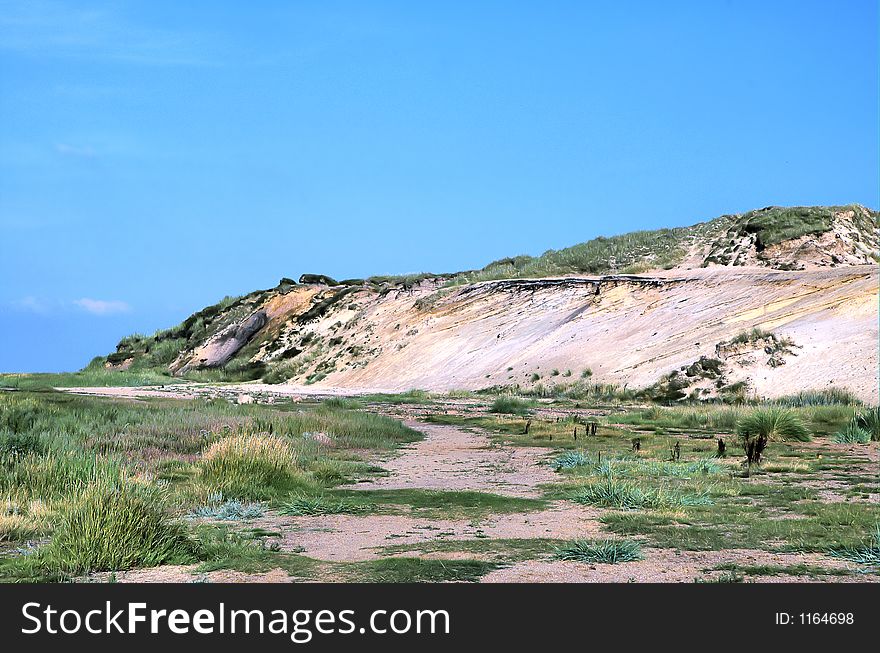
point(156, 156)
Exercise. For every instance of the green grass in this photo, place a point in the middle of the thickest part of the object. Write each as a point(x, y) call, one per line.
point(612, 493)
point(825, 397)
point(252, 466)
point(812, 571)
point(500, 550)
point(600, 551)
point(869, 421)
point(220, 548)
point(64, 458)
point(107, 529)
point(419, 570)
point(408, 397)
point(867, 553)
point(445, 503)
point(323, 505)
point(88, 377)
point(509, 405)
point(852, 433)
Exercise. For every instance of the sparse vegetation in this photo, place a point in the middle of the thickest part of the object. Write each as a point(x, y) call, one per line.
point(601, 551)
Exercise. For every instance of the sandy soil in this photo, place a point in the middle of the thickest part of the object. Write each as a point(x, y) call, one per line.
point(451, 458)
point(664, 566)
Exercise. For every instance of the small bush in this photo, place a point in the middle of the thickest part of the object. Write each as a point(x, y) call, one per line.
point(765, 425)
point(602, 551)
point(570, 460)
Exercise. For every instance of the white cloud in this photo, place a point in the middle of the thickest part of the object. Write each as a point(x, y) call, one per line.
point(102, 306)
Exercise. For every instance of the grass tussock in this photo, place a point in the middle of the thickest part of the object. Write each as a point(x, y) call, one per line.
point(852, 433)
point(251, 466)
point(869, 421)
point(866, 554)
point(323, 505)
point(509, 405)
point(765, 425)
point(600, 551)
point(108, 529)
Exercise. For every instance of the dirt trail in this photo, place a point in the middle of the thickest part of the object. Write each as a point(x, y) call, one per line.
point(451, 458)
point(447, 459)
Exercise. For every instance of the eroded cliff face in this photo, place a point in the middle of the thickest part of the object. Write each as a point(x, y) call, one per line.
point(635, 330)
point(767, 303)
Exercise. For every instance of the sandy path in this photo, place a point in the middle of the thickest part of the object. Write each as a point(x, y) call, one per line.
point(450, 458)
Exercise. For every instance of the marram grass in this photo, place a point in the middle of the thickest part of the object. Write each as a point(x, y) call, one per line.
point(109, 529)
point(251, 466)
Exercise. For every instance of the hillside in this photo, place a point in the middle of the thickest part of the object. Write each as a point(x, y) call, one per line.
point(765, 303)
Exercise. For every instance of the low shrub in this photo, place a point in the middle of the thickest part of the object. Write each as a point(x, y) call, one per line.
point(612, 493)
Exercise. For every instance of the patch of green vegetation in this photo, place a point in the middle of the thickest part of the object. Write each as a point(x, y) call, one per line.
point(106, 529)
point(869, 421)
point(252, 466)
point(762, 426)
point(731, 523)
point(220, 548)
point(91, 376)
point(408, 397)
point(323, 505)
point(499, 550)
point(613, 493)
point(866, 553)
point(438, 502)
point(824, 397)
point(852, 433)
point(600, 551)
point(777, 224)
point(647, 249)
point(510, 406)
point(419, 570)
